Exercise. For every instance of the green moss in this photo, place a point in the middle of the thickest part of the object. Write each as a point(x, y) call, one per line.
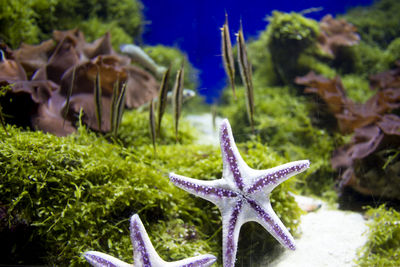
point(33, 21)
point(169, 56)
point(312, 63)
point(379, 24)
point(383, 245)
point(17, 23)
point(357, 88)
point(68, 195)
point(95, 28)
point(392, 53)
point(362, 59)
point(289, 35)
point(260, 58)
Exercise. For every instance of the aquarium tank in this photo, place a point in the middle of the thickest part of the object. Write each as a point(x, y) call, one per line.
point(199, 133)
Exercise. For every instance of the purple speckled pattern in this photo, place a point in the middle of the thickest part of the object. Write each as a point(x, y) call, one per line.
point(138, 243)
point(99, 260)
point(227, 144)
point(202, 189)
point(273, 178)
point(231, 243)
point(274, 226)
point(200, 263)
point(242, 194)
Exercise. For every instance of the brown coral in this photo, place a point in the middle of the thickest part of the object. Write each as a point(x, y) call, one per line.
point(335, 33)
point(376, 131)
point(44, 73)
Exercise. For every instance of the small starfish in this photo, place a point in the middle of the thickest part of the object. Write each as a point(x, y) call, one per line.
point(144, 254)
point(242, 194)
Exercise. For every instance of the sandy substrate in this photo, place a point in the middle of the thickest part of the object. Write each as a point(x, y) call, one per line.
point(329, 237)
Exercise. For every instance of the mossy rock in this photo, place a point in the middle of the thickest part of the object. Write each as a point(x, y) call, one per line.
point(289, 35)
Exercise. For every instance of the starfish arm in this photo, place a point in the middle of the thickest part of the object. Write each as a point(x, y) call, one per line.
point(144, 253)
point(198, 261)
point(231, 224)
point(271, 178)
point(265, 215)
point(210, 190)
point(98, 259)
point(233, 164)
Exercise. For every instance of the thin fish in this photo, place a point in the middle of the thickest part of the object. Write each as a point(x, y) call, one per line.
point(69, 93)
point(246, 74)
point(120, 108)
point(227, 55)
point(162, 99)
point(113, 109)
point(152, 124)
point(2, 121)
point(177, 98)
point(97, 99)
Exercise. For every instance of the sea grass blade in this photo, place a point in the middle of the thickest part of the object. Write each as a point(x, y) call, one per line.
point(97, 99)
point(152, 125)
point(227, 55)
point(177, 98)
point(162, 99)
point(120, 108)
point(69, 94)
point(246, 74)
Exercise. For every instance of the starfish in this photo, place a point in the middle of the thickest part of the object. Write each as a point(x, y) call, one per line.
point(242, 194)
point(144, 254)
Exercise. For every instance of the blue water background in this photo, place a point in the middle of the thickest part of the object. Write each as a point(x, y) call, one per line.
point(194, 28)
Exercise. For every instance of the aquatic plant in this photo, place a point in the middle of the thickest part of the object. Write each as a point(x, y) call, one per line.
point(33, 21)
point(383, 245)
point(378, 25)
point(289, 35)
point(376, 132)
point(335, 34)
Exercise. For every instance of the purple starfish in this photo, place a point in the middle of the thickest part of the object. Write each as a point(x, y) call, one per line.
point(242, 194)
point(144, 254)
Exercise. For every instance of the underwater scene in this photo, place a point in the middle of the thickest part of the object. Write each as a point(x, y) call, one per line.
point(199, 133)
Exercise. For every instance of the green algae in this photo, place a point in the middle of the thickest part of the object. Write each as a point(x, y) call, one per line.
point(17, 23)
point(378, 24)
point(74, 194)
point(383, 245)
point(34, 21)
point(165, 56)
point(288, 36)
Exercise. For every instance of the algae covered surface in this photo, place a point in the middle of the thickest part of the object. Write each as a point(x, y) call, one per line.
point(63, 196)
point(383, 245)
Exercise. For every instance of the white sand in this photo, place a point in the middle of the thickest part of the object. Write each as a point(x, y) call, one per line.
point(329, 238)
